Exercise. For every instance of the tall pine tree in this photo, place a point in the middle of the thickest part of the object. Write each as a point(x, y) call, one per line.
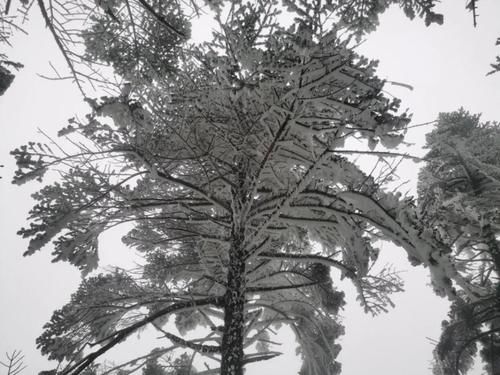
point(233, 161)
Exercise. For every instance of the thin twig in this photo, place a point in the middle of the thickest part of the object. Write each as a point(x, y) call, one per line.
point(59, 43)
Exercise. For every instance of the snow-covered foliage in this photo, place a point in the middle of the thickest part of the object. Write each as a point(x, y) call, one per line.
point(123, 34)
point(459, 199)
point(233, 173)
point(362, 16)
point(459, 192)
point(119, 32)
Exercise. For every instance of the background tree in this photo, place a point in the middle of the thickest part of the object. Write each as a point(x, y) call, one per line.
point(459, 193)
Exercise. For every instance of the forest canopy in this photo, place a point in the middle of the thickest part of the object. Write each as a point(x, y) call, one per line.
point(233, 164)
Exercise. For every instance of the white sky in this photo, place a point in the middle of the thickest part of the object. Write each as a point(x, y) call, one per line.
point(446, 65)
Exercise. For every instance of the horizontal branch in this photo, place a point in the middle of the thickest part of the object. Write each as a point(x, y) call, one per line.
point(193, 188)
point(200, 348)
point(280, 287)
point(381, 154)
point(310, 258)
point(260, 357)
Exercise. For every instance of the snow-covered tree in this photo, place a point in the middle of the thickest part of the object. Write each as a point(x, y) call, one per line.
point(236, 171)
point(80, 28)
point(459, 193)
point(119, 22)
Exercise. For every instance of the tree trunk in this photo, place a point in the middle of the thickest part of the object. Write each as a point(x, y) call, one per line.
point(234, 311)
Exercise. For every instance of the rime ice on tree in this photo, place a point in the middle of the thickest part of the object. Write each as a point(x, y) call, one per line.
point(234, 170)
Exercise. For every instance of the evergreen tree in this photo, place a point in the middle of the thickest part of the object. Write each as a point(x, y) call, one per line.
point(235, 167)
point(459, 194)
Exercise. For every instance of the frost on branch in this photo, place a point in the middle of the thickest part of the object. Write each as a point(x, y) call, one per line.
point(456, 348)
point(362, 16)
point(236, 179)
point(318, 347)
point(459, 198)
point(30, 162)
point(374, 291)
point(163, 26)
point(92, 315)
point(75, 210)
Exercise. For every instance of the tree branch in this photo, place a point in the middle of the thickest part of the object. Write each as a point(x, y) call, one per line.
point(189, 344)
point(160, 18)
point(310, 258)
point(59, 43)
point(122, 334)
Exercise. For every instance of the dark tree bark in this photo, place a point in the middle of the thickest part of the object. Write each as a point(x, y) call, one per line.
point(234, 310)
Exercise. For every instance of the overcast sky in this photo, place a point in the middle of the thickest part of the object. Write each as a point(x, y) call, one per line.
point(446, 65)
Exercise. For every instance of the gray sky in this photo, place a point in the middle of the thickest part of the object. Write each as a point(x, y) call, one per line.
point(446, 65)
